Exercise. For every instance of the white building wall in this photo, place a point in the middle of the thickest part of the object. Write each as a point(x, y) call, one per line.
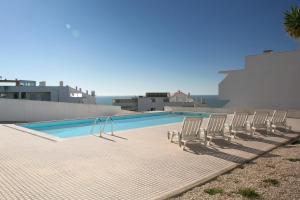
point(145, 103)
point(28, 111)
point(268, 81)
point(57, 93)
point(180, 97)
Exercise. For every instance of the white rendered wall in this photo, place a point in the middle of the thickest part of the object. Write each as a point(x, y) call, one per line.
point(270, 81)
point(180, 98)
point(28, 111)
point(145, 103)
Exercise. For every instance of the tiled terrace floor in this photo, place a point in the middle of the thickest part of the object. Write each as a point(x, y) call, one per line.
point(138, 164)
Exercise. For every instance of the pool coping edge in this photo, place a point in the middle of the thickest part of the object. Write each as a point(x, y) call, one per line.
point(34, 132)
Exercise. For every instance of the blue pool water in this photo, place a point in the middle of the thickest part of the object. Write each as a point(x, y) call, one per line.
point(81, 127)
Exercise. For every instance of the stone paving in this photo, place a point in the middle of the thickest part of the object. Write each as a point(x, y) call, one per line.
point(136, 164)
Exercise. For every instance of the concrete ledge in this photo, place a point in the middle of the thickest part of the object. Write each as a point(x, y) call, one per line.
point(33, 132)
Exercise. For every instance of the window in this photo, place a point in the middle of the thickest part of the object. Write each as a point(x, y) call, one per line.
point(153, 100)
point(166, 100)
point(75, 94)
point(23, 95)
point(16, 95)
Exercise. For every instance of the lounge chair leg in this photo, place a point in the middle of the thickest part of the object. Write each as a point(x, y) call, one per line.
point(183, 145)
point(252, 133)
point(179, 139)
point(288, 128)
point(233, 134)
point(205, 138)
point(273, 129)
point(206, 143)
point(210, 139)
point(229, 139)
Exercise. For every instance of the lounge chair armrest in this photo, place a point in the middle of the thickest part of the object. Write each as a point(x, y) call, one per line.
point(227, 126)
point(248, 123)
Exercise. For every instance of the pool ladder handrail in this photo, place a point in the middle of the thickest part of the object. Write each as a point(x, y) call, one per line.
point(108, 119)
point(95, 123)
point(103, 125)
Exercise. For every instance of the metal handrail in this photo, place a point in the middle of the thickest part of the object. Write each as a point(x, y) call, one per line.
point(94, 124)
point(108, 119)
point(103, 124)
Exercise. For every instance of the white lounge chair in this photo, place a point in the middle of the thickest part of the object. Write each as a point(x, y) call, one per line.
point(215, 128)
point(278, 119)
point(259, 121)
point(190, 131)
point(238, 123)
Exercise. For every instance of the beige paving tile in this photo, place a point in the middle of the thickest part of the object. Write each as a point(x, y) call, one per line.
point(139, 164)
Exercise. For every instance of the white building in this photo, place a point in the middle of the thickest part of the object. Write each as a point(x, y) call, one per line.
point(28, 90)
point(179, 96)
point(154, 101)
point(270, 80)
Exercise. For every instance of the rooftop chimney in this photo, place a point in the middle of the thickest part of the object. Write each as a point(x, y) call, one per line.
point(61, 83)
point(76, 88)
point(93, 93)
point(87, 92)
point(42, 83)
point(79, 89)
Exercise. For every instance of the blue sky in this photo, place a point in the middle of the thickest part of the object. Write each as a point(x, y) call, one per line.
point(126, 47)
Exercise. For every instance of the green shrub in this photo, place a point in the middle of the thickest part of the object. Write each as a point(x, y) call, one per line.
point(213, 191)
point(271, 181)
point(248, 193)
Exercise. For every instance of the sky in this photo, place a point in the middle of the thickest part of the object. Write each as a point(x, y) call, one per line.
point(129, 47)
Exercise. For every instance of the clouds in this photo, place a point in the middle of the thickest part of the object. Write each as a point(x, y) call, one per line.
point(68, 26)
point(74, 32)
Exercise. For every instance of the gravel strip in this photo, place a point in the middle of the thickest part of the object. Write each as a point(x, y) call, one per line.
point(272, 176)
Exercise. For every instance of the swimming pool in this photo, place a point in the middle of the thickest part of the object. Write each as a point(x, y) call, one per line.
point(81, 127)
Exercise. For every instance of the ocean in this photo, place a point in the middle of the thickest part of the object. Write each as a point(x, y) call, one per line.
point(211, 100)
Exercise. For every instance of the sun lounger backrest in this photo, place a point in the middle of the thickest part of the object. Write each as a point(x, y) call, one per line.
point(260, 118)
point(191, 126)
point(279, 116)
point(239, 119)
point(185, 125)
point(216, 123)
